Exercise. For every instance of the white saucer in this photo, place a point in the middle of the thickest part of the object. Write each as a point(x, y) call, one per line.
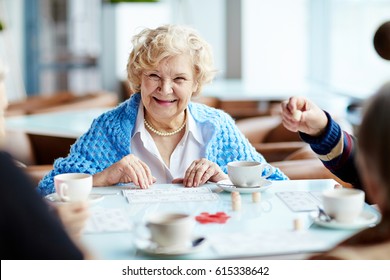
point(92, 198)
point(228, 186)
point(150, 247)
point(366, 219)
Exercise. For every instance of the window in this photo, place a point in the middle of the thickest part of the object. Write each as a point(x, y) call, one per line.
point(355, 69)
point(274, 45)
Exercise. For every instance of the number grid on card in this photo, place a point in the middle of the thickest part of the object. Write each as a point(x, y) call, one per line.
point(300, 201)
point(170, 195)
point(107, 220)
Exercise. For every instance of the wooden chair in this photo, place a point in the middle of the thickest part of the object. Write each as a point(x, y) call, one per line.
point(37, 172)
point(270, 138)
point(18, 144)
point(33, 103)
point(284, 149)
point(62, 101)
point(243, 109)
point(208, 100)
point(38, 152)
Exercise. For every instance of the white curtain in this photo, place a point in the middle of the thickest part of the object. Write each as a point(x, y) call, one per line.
point(11, 52)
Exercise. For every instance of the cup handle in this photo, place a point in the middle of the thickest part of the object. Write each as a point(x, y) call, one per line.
point(62, 190)
point(142, 231)
point(271, 170)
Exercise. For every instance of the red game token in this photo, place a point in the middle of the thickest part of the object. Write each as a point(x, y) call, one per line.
point(205, 217)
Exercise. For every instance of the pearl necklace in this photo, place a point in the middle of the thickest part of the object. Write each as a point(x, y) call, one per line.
point(163, 133)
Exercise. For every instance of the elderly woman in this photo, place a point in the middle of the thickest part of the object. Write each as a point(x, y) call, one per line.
point(159, 135)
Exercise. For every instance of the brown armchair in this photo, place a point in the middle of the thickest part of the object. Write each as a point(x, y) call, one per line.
point(208, 100)
point(270, 138)
point(18, 144)
point(37, 172)
point(284, 149)
point(38, 152)
point(62, 101)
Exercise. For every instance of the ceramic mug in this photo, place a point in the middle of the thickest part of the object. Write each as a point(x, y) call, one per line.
point(249, 173)
point(344, 205)
point(171, 229)
point(73, 186)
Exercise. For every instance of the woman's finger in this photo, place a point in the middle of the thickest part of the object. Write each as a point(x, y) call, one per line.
point(200, 170)
point(148, 173)
point(189, 175)
point(141, 174)
point(178, 181)
point(207, 175)
point(136, 171)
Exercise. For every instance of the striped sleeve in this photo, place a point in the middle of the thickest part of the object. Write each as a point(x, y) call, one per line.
point(337, 150)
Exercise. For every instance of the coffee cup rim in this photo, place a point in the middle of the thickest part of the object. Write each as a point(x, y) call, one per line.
point(157, 218)
point(79, 176)
point(336, 192)
point(244, 163)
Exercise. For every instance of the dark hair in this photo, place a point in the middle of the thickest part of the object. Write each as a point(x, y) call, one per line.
point(382, 40)
point(374, 136)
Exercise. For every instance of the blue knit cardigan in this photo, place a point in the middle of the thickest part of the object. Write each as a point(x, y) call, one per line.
point(109, 138)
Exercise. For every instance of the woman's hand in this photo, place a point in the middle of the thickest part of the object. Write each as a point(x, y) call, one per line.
point(300, 114)
point(73, 216)
point(201, 171)
point(128, 169)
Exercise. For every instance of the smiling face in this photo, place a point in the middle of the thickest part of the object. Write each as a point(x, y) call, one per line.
point(167, 90)
point(152, 46)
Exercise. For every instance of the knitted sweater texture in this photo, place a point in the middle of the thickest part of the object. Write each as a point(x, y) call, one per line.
point(109, 139)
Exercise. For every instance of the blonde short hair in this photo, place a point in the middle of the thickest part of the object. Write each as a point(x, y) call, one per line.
point(151, 46)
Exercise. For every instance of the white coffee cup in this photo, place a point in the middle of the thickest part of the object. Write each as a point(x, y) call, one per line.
point(171, 229)
point(73, 186)
point(344, 205)
point(249, 173)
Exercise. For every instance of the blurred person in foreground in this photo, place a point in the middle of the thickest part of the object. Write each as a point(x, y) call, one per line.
point(158, 134)
point(29, 227)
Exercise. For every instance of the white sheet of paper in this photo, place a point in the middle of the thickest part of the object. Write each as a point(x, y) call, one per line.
point(169, 194)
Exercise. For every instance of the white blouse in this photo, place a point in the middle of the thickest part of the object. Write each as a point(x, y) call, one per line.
point(190, 148)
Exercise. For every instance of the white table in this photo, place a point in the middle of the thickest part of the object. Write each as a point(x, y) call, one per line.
point(67, 124)
point(270, 218)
